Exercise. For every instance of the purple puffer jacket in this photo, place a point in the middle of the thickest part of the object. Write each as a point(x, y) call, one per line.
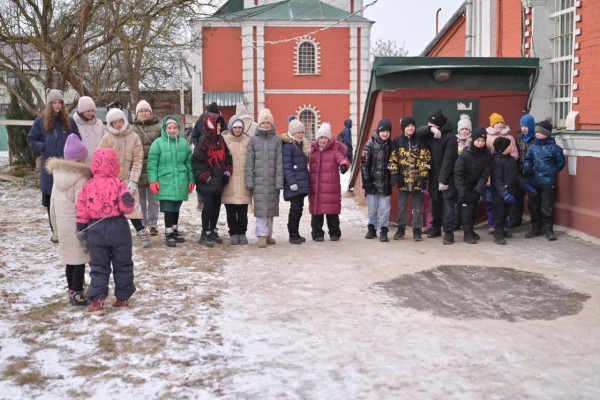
point(325, 190)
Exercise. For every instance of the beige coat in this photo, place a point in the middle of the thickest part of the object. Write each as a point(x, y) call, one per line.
point(69, 178)
point(129, 149)
point(235, 192)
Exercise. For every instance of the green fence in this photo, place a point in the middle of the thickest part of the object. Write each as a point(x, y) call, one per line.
point(3, 136)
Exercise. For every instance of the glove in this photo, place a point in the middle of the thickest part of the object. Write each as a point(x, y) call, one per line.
point(367, 185)
point(508, 198)
point(343, 168)
point(132, 187)
point(531, 189)
point(437, 134)
point(191, 187)
point(294, 187)
point(154, 187)
point(82, 237)
point(442, 187)
point(226, 176)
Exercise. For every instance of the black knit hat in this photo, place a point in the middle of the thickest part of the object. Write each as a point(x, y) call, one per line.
point(501, 144)
point(544, 127)
point(479, 132)
point(406, 121)
point(213, 108)
point(437, 118)
point(384, 125)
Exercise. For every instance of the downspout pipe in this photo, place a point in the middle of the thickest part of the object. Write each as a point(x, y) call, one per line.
point(469, 28)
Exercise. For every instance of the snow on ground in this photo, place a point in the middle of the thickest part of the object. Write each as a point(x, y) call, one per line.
point(286, 322)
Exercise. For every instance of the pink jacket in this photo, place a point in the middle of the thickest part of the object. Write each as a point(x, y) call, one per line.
point(105, 195)
point(325, 190)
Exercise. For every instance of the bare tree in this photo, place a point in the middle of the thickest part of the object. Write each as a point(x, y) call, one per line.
point(388, 48)
point(94, 46)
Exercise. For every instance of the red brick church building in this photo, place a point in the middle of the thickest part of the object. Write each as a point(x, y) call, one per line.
point(308, 58)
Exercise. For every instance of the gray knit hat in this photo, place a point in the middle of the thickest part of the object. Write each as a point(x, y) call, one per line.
point(54, 94)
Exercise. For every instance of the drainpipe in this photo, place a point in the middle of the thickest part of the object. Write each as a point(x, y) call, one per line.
point(437, 21)
point(469, 28)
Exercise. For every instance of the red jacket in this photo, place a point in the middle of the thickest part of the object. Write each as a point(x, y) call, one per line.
point(105, 195)
point(325, 190)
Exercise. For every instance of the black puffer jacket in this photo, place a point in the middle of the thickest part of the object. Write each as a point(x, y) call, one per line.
point(505, 176)
point(471, 173)
point(373, 166)
point(443, 156)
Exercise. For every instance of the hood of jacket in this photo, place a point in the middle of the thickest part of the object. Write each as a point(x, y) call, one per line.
point(163, 127)
point(73, 172)
point(348, 123)
point(105, 163)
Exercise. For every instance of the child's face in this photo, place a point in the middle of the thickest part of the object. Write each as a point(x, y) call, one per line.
point(409, 130)
point(508, 149)
point(266, 125)
point(172, 129)
point(299, 136)
point(540, 136)
point(323, 140)
point(89, 114)
point(144, 115)
point(56, 105)
point(525, 129)
point(237, 131)
point(499, 126)
point(384, 135)
point(464, 133)
point(118, 124)
point(218, 128)
point(480, 142)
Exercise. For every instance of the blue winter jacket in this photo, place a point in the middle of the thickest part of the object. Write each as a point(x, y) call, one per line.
point(544, 160)
point(49, 144)
point(295, 168)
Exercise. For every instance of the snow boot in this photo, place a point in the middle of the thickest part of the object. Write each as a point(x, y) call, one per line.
point(97, 307)
point(77, 298)
point(170, 240)
point(270, 240)
point(417, 235)
point(144, 238)
point(178, 237)
point(550, 236)
point(383, 237)
point(469, 236)
point(234, 240)
point(243, 239)
point(214, 236)
point(499, 237)
point(206, 240)
point(448, 237)
point(120, 303)
point(262, 242)
point(533, 233)
point(434, 232)
point(371, 233)
point(295, 239)
point(399, 235)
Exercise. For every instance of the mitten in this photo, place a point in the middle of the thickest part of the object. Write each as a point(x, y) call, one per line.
point(508, 198)
point(343, 168)
point(132, 187)
point(82, 238)
point(191, 187)
point(367, 185)
point(442, 187)
point(531, 189)
point(154, 187)
point(294, 187)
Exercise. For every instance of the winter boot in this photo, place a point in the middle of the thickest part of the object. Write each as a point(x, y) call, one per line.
point(77, 299)
point(372, 233)
point(97, 307)
point(170, 240)
point(533, 233)
point(121, 303)
point(295, 239)
point(417, 235)
point(262, 242)
point(434, 232)
point(448, 237)
point(243, 239)
point(399, 235)
point(499, 237)
point(214, 236)
point(206, 240)
point(383, 237)
point(469, 235)
point(475, 235)
point(144, 238)
point(270, 240)
point(178, 237)
point(234, 240)
point(507, 234)
point(550, 235)
point(153, 231)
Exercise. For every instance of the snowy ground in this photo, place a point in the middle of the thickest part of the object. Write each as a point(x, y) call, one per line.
point(288, 322)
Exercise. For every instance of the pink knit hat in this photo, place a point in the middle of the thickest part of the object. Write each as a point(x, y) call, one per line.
point(85, 103)
point(74, 150)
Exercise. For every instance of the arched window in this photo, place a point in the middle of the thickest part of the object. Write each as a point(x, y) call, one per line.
point(307, 58)
point(309, 119)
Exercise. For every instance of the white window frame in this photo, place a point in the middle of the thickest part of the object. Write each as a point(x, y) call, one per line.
point(302, 59)
point(563, 58)
point(310, 128)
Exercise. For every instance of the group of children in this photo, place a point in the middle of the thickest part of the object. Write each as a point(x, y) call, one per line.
point(457, 172)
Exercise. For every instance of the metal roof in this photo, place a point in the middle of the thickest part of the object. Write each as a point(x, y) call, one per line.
point(297, 10)
point(223, 99)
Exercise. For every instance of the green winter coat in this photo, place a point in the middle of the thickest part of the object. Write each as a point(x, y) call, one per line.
point(148, 131)
point(170, 164)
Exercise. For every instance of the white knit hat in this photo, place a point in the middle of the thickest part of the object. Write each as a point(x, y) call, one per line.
point(265, 116)
point(295, 126)
point(114, 114)
point(465, 122)
point(324, 131)
point(142, 105)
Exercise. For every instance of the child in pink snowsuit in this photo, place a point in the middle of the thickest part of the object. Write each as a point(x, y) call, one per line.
point(103, 228)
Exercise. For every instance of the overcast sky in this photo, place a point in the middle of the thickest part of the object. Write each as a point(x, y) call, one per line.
point(411, 22)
